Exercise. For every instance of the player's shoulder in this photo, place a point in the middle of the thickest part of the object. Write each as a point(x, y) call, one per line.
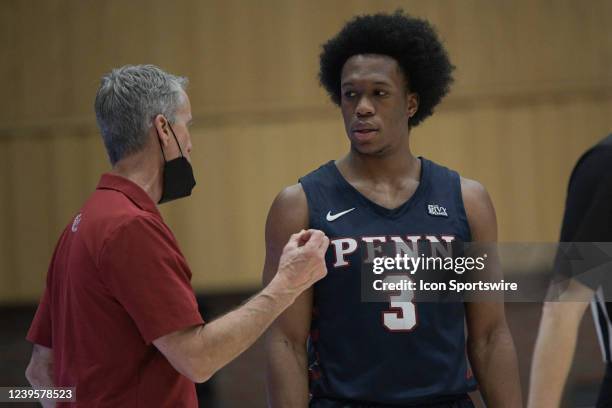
point(320, 171)
point(291, 196)
point(289, 204)
point(288, 214)
point(322, 178)
point(296, 196)
point(473, 190)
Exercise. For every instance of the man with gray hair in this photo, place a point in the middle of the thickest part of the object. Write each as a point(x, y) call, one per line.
point(118, 319)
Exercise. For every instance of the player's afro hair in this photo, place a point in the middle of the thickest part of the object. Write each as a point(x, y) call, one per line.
point(412, 42)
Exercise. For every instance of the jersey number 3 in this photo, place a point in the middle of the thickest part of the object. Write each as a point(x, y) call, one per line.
point(401, 316)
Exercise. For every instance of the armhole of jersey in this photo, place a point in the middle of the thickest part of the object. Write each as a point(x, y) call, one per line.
point(461, 212)
point(316, 186)
point(309, 202)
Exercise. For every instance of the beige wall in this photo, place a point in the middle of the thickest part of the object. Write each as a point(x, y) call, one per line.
point(533, 90)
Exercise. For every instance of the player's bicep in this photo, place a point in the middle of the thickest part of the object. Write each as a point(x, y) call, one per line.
point(479, 210)
point(288, 215)
point(483, 228)
point(485, 313)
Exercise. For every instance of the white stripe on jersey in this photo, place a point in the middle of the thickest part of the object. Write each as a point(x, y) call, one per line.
point(599, 324)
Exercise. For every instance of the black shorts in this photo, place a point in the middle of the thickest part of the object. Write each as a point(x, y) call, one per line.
point(460, 401)
point(605, 392)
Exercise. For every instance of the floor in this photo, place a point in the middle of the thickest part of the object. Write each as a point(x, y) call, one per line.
point(242, 381)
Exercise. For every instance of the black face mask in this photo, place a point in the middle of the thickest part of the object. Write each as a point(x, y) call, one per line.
point(178, 175)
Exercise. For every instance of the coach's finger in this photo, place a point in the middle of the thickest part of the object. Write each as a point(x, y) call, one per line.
point(304, 237)
point(324, 244)
point(316, 237)
point(295, 240)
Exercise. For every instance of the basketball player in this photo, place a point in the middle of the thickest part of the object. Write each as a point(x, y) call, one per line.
point(386, 72)
point(588, 218)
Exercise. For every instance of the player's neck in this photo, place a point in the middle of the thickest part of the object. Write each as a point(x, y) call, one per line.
point(391, 168)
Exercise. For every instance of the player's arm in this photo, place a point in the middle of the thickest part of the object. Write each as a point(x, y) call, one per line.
point(490, 345)
point(554, 349)
point(287, 362)
point(40, 371)
point(200, 351)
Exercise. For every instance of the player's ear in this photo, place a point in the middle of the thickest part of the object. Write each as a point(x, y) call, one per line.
point(160, 123)
point(412, 103)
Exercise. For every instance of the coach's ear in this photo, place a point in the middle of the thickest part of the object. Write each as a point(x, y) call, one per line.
point(160, 124)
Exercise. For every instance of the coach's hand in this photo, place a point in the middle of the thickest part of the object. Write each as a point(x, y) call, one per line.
point(302, 262)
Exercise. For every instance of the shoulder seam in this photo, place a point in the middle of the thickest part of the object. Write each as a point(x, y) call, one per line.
point(116, 230)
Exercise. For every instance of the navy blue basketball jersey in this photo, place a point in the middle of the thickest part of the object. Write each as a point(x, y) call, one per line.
point(384, 352)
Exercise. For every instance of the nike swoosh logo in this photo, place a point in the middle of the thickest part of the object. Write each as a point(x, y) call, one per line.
point(334, 217)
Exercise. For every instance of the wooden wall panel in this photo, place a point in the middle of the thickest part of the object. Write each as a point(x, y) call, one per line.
point(8, 272)
point(533, 90)
point(29, 160)
point(247, 56)
point(523, 155)
point(240, 171)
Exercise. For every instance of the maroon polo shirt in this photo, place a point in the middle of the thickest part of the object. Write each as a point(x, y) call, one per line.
point(117, 281)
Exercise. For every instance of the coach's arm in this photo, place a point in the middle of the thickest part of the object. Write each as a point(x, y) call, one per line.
point(490, 345)
point(40, 371)
point(200, 351)
point(287, 362)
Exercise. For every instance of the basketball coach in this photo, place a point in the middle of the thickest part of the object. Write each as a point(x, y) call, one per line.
point(118, 319)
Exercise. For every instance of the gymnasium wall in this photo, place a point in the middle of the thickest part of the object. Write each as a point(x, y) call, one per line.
point(533, 90)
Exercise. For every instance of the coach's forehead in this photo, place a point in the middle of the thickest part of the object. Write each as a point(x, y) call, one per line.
point(371, 67)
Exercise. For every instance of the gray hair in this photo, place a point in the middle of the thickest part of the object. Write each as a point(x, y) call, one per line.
point(128, 100)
